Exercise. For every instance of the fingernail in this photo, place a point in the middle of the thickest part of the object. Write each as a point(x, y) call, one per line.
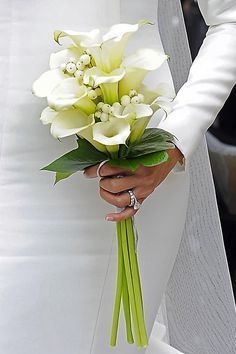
point(109, 218)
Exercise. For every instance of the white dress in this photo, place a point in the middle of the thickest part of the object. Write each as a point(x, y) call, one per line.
point(57, 253)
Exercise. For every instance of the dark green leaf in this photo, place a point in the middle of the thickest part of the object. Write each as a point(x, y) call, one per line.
point(77, 160)
point(153, 140)
point(148, 160)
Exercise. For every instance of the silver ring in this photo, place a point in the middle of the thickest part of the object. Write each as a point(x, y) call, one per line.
point(99, 168)
point(133, 200)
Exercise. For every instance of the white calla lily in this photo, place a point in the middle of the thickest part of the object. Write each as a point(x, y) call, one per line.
point(88, 135)
point(160, 97)
point(163, 89)
point(137, 66)
point(142, 113)
point(132, 80)
point(47, 115)
point(70, 122)
point(63, 56)
point(109, 52)
point(69, 93)
point(113, 132)
point(146, 58)
point(140, 110)
point(164, 103)
point(96, 76)
point(108, 82)
point(77, 37)
point(118, 112)
point(43, 86)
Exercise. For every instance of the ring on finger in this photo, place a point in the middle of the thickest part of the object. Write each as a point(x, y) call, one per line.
point(133, 200)
point(99, 168)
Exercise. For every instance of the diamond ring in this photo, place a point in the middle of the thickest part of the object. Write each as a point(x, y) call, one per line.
point(133, 200)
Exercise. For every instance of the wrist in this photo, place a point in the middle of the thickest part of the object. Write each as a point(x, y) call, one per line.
point(176, 155)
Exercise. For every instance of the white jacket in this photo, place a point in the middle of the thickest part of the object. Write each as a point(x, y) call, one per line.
point(211, 78)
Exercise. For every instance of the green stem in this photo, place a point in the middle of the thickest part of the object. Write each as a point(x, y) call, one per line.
point(136, 282)
point(126, 307)
point(119, 286)
point(130, 282)
point(113, 151)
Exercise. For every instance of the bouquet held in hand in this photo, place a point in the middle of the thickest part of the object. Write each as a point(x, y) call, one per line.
point(97, 94)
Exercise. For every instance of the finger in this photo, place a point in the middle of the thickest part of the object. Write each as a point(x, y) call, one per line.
point(119, 200)
point(124, 214)
point(117, 185)
point(91, 172)
point(105, 170)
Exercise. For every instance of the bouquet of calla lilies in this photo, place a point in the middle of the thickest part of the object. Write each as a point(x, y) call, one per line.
point(97, 94)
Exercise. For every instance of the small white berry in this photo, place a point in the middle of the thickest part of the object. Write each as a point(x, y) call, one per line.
point(71, 68)
point(98, 91)
point(112, 110)
point(106, 108)
point(98, 114)
point(92, 94)
point(85, 59)
point(125, 100)
point(141, 97)
point(116, 105)
point(88, 51)
point(100, 105)
point(72, 60)
point(104, 117)
point(79, 74)
point(135, 99)
point(79, 65)
point(132, 93)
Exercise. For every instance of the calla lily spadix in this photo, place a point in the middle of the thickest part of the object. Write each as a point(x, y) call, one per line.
point(69, 93)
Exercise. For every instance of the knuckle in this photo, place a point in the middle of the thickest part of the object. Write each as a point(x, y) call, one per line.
point(120, 202)
point(113, 185)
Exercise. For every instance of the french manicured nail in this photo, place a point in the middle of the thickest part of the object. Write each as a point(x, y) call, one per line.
point(109, 218)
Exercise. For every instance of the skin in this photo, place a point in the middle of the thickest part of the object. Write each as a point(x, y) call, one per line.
point(142, 182)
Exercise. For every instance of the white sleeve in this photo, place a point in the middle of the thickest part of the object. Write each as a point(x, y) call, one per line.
point(211, 78)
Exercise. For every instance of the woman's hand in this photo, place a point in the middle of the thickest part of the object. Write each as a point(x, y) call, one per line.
point(142, 182)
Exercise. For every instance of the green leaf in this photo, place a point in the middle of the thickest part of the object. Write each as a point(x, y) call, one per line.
point(60, 176)
point(77, 160)
point(147, 160)
point(152, 140)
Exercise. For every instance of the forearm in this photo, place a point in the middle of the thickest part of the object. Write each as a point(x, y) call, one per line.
point(211, 78)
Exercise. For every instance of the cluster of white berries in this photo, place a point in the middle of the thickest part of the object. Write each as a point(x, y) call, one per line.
point(76, 67)
point(93, 93)
point(133, 97)
point(104, 110)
